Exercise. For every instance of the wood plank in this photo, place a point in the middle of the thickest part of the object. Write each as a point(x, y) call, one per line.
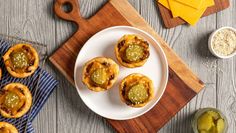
point(28, 24)
point(226, 73)
point(171, 22)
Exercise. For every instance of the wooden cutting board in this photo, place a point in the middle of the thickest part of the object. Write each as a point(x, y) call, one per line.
point(171, 22)
point(182, 86)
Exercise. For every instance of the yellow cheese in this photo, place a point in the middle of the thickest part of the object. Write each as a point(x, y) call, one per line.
point(192, 3)
point(187, 13)
point(165, 3)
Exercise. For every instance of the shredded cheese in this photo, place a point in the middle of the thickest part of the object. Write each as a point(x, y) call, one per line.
point(224, 42)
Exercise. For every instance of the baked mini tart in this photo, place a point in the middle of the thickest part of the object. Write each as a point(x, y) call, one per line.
point(132, 51)
point(136, 90)
point(100, 73)
point(15, 100)
point(21, 60)
point(7, 128)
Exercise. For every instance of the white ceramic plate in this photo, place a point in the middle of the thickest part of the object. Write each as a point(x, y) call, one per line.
point(108, 103)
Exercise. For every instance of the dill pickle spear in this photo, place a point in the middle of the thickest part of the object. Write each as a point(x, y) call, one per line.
point(134, 52)
point(19, 59)
point(99, 76)
point(11, 100)
point(137, 94)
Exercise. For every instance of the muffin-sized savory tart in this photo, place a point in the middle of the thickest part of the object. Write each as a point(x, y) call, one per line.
point(100, 73)
point(15, 100)
point(21, 60)
point(132, 51)
point(136, 90)
point(7, 128)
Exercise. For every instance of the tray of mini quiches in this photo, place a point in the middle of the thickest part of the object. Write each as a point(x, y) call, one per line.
point(19, 76)
point(121, 72)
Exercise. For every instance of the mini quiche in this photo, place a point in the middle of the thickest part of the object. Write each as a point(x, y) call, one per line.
point(7, 128)
point(136, 90)
point(21, 60)
point(15, 100)
point(132, 51)
point(100, 73)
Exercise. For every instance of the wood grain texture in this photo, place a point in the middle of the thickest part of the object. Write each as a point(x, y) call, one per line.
point(64, 110)
point(24, 23)
point(182, 85)
point(226, 73)
point(171, 22)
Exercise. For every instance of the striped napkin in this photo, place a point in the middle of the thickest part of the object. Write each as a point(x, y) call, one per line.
point(40, 82)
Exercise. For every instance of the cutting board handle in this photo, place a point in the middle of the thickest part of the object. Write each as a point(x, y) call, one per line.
point(71, 14)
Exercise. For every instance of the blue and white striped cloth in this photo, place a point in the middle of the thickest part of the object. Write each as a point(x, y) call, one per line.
point(44, 84)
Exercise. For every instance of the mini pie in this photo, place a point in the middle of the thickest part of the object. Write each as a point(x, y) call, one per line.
point(100, 73)
point(21, 60)
point(132, 51)
point(7, 128)
point(15, 100)
point(136, 90)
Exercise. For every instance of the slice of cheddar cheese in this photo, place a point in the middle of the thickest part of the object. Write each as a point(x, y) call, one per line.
point(187, 13)
point(192, 3)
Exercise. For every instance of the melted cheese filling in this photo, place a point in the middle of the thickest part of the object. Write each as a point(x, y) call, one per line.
point(12, 100)
point(21, 59)
point(136, 90)
point(99, 74)
point(133, 49)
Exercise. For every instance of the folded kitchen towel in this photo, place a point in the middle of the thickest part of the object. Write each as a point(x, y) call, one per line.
point(40, 82)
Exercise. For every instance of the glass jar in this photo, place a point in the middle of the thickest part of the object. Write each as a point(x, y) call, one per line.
point(202, 111)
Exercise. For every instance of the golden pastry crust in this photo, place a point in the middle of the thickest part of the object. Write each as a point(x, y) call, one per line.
point(124, 43)
point(111, 69)
point(132, 80)
point(24, 100)
point(7, 128)
point(32, 64)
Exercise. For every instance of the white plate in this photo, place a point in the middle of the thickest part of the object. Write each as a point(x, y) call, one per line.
point(108, 103)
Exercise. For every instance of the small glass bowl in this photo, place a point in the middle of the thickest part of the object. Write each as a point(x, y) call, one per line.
point(203, 110)
point(210, 43)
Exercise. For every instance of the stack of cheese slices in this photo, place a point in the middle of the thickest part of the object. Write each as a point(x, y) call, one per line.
point(189, 10)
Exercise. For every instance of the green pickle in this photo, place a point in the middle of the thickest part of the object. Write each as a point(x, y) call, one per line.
point(11, 100)
point(19, 59)
point(99, 76)
point(138, 94)
point(210, 122)
point(134, 52)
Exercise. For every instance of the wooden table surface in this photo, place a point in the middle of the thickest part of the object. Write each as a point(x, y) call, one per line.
point(64, 112)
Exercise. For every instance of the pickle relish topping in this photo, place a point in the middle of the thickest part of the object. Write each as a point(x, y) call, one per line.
point(138, 94)
point(11, 100)
point(99, 76)
point(134, 52)
point(19, 59)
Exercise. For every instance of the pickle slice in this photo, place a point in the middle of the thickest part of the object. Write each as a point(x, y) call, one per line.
point(138, 94)
point(134, 52)
point(11, 100)
point(99, 76)
point(19, 59)
point(220, 125)
point(205, 122)
point(214, 114)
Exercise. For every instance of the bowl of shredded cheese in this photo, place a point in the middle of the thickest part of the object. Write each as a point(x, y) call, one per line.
point(222, 42)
